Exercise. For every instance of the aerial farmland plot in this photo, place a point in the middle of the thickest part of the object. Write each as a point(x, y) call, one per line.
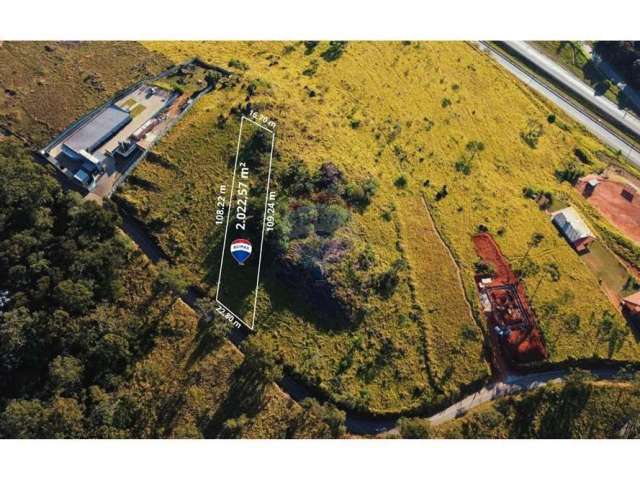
point(311, 238)
point(442, 171)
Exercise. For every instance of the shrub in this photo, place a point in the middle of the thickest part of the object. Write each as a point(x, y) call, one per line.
point(553, 271)
point(388, 281)
point(551, 118)
point(530, 192)
point(311, 70)
point(484, 268)
point(571, 322)
point(387, 213)
point(400, 182)
point(310, 46)
point(570, 173)
point(235, 63)
point(468, 333)
point(582, 156)
point(443, 192)
point(531, 135)
point(414, 428)
point(527, 268)
point(367, 258)
point(360, 194)
point(631, 284)
point(464, 166)
point(335, 50)
point(474, 147)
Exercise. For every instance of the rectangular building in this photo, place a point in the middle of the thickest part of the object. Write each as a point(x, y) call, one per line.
point(90, 136)
point(575, 230)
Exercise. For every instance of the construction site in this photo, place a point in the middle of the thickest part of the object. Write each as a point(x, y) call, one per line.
point(515, 336)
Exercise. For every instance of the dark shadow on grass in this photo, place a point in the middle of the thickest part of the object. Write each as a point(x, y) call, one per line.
point(245, 396)
point(325, 316)
point(558, 420)
point(634, 323)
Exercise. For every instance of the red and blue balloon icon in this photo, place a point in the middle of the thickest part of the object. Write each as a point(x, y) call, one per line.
point(241, 250)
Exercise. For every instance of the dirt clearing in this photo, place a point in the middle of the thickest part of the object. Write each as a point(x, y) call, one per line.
point(616, 200)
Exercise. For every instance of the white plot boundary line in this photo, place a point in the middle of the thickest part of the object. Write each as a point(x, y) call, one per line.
point(264, 224)
point(226, 229)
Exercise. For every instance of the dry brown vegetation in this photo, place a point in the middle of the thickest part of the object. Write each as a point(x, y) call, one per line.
point(44, 86)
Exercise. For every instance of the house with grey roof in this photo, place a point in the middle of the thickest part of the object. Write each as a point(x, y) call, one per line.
point(574, 229)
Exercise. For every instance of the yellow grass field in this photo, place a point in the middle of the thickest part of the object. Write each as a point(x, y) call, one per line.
point(389, 109)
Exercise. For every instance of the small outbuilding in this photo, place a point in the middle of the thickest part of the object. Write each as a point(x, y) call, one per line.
point(574, 229)
point(628, 192)
point(590, 186)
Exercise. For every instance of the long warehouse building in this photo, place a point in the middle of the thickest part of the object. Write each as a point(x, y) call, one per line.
point(96, 132)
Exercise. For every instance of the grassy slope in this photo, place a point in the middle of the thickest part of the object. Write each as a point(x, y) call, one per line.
point(187, 386)
point(389, 87)
point(597, 410)
point(44, 86)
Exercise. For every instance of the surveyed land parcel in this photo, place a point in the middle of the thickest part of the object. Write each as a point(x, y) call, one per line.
point(395, 111)
point(246, 224)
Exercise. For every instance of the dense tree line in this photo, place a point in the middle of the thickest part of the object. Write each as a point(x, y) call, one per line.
point(60, 260)
point(625, 56)
point(80, 319)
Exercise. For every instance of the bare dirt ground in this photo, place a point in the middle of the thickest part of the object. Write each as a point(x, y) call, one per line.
point(510, 310)
point(607, 198)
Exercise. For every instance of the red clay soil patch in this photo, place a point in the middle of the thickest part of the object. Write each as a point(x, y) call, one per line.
point(512, 323)
point(616, 201)
point(488, 251)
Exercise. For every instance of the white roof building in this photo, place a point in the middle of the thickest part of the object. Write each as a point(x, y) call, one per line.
point(572, 226)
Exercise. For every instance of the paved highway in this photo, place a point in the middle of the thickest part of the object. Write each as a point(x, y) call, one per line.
point(589, 120)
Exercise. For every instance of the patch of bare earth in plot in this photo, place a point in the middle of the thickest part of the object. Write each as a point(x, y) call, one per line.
point(616, 199)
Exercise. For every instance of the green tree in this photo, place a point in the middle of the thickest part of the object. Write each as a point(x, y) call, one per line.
point(534, 242)
point(261, 362)
point(414, 428)
point(23, 419)
point(65, 373)
point(65, 419)
point(171, 280)
point(74, 296)
point(333, 419)
point(217, 328)
point(330, 218)
point(16, 333)
point(111, 353)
